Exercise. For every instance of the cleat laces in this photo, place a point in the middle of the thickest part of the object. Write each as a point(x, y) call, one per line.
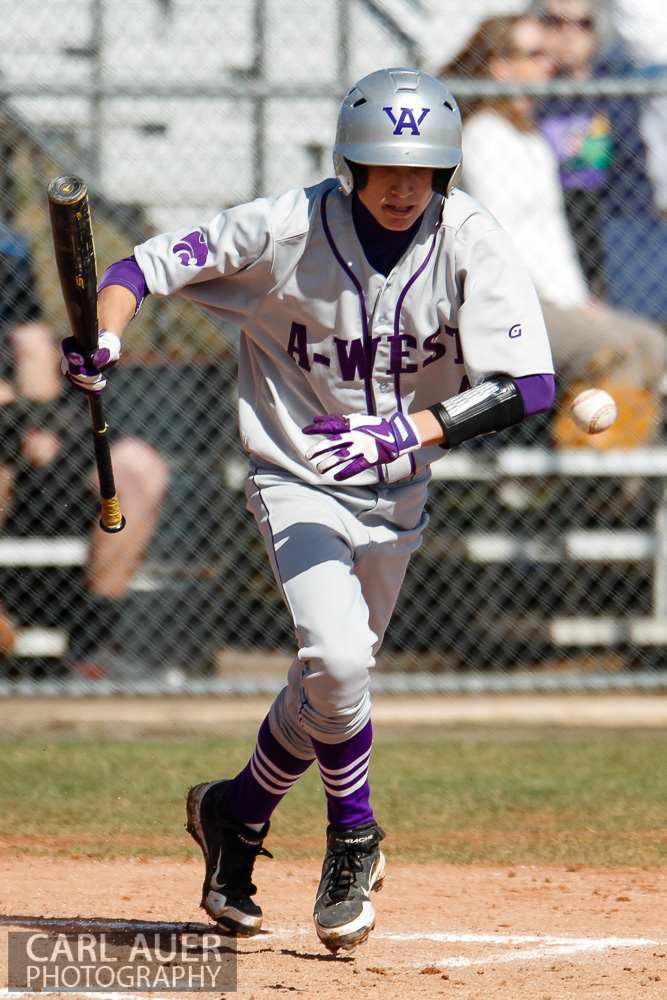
point(236, 866)
point(341, 873)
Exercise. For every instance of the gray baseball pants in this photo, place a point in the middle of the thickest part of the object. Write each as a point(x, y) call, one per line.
point(339, 556)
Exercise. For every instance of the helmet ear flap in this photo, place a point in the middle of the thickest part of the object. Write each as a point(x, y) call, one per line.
point(446, 179)
point(343, 173)
point(352, 176)
point(455, 178)
point(359, 173)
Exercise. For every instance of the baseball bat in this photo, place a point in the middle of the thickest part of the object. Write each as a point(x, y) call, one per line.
point(77, 269)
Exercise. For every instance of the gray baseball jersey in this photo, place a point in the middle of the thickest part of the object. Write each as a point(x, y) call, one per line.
point(323, 332)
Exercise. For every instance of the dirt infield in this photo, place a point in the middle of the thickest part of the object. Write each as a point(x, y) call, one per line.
point(131, 717)
point(526, 932)
point(479, 933)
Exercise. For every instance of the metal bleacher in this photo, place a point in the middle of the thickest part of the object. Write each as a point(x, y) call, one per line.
point(635, 623)
point(178, 126)
point(591, 546)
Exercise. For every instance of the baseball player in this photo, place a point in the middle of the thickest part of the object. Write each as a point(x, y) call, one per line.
point(386, 316)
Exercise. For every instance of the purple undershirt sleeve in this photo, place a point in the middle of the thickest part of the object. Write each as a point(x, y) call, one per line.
point(537, 392)
point(127, 273)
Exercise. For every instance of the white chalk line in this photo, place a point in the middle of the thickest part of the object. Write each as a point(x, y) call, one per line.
point(548, 946)
point(439, 937)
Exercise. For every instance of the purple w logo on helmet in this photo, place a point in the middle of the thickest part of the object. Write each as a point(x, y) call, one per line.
point(406, 119)
point(192, 249)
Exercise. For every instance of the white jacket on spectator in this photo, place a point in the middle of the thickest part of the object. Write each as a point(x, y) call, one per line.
point(515, 175)
point(642, 24)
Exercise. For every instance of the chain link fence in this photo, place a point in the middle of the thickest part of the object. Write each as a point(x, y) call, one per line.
point(544, 565)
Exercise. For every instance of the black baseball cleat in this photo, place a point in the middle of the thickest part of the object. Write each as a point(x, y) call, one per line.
point(353, 866)
point(229, 850)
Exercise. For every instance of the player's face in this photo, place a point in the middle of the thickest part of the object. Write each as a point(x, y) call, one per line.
point(397, 196)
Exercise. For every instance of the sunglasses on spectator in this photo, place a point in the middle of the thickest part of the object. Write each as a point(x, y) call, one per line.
point(531, 53)
point(553, 21)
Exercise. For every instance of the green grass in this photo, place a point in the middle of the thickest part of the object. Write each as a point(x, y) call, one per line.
point(598, 801)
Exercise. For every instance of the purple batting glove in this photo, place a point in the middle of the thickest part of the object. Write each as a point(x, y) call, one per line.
point(88, 377)
point(358, 442)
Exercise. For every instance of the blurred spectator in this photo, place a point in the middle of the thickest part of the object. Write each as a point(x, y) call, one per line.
point(642, 26)
point(510, 167)
point(596, 140)
point(44, 433)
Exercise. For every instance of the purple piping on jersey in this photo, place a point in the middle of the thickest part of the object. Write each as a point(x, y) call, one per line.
point(127, 273)
point(368, 346)
point(397, 320)
point(538, 393)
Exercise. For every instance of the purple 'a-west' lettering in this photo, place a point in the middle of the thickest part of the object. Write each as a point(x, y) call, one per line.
point(353, 362)
point(436, 349)
point(298, 345)
point(452, 331)
point(192, 249)
point(397, 354)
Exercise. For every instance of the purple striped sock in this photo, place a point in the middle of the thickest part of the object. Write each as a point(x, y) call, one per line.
point(344, 771)
point(269, 774)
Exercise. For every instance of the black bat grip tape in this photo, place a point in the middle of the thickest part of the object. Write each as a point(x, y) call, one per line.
point(112, 520)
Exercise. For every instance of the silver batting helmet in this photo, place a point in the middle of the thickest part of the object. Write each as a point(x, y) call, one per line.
point(398, 117)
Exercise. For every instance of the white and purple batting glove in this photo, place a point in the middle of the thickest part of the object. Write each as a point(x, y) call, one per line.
point(88, 377)
point(359, 442)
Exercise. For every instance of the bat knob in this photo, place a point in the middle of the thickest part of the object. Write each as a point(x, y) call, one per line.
point(66, 189)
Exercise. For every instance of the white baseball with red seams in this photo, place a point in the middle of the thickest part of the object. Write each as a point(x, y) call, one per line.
point(593, 411)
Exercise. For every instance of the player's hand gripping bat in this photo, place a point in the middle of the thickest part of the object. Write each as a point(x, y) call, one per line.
point(75, 258)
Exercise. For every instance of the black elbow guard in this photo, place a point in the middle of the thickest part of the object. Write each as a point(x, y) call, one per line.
point(491, 406)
